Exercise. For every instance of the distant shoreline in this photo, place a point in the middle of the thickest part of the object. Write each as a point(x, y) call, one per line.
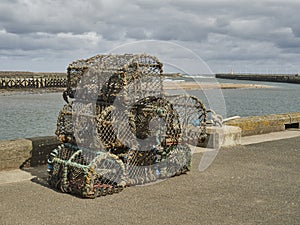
point(196, 86)
point(183, 85)
point(281, 78)
point(30, 74)
point(15, 91)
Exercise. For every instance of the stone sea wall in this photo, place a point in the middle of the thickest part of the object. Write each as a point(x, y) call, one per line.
point(254, 125)
point(26, 152)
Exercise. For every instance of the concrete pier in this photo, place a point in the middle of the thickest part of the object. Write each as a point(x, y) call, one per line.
point(253, 184)
point(18, 80)
point(32, 152)
point(266, 124)
point(283, 78)
point(26, 152)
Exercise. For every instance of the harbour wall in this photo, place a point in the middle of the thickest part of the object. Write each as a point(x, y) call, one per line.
point(283, 78)
point(35, 151)
point(28, 80)
point(28, 152)
point(16, 80)
point(255, 125)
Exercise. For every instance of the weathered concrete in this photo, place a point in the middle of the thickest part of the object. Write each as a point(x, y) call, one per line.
point(265, 124)
point(35, 151)
point(255, 184)
point(41, 148)
point(225, 136)
point(26, 152)
point(14, 153)
point(16, 175)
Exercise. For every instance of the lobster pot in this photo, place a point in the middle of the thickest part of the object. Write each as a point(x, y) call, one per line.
point(119, 128)
point(192, 116)
point(92, 174)
point(64, 129)
point(144, 167)
point(85, 173)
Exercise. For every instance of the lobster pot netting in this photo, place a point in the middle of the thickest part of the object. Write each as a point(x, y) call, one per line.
point(192, 118)
point(88, 174)
point(120, 129)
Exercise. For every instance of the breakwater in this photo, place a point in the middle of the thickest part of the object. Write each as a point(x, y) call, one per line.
point(283, 78)
point(16, 80)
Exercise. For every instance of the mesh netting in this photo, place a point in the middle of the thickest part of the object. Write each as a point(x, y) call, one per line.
point(119, 128)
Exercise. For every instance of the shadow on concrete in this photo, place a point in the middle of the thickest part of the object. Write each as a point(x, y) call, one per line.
point(39, 174)
point(41, 148)
point(36, 165)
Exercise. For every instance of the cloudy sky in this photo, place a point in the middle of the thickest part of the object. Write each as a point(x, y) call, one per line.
point(248, 36)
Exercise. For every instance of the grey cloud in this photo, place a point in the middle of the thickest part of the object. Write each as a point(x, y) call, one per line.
point(219, 30)
point(60, 41)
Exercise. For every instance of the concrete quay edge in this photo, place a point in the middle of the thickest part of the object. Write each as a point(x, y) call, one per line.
point(18, 175)
point(32, 152)
point(28, 152)
point(254, 125)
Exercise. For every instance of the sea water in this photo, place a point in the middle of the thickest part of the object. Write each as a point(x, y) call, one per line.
point(30, 115)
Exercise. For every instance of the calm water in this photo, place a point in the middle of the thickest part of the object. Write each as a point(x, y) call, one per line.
point(30, 115)
point(283, 98)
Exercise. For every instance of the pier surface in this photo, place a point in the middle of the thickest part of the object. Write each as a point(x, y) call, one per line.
point(248, 184)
